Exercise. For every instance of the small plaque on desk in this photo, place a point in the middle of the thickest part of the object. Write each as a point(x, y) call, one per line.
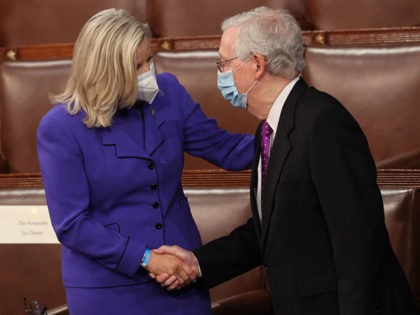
point(26, 225)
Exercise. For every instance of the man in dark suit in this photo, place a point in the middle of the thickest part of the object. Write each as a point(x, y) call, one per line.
point(318, 220)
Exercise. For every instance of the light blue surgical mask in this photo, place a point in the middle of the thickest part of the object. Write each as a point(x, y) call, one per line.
point(227, 86)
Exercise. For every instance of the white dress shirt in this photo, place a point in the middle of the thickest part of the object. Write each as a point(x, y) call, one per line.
point(273, 120)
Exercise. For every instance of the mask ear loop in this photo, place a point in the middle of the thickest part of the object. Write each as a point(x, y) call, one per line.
point(243, 64)
point(252, 85)
point(152, 69)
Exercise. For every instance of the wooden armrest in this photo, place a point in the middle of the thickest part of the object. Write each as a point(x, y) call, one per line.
point(408, 160)
point(248, 303)
point(59, 310)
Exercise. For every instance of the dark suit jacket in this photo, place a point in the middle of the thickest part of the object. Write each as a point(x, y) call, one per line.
point(322, 240)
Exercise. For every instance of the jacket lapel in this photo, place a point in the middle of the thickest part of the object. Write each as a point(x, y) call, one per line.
point(254, 181)
point(134, 132)
point(152, 122)
point(278, 154)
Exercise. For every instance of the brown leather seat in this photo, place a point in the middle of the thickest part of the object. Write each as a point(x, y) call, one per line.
point(196, 70)
point(342, 14)
point(50, 21)
point(28, 270)
point(33, 270)
point(196, 18)
point(379, 85)
point(402, 217)
point(217, 212)
point(24, 88)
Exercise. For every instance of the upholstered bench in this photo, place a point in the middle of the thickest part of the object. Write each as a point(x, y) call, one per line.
point(33, 270)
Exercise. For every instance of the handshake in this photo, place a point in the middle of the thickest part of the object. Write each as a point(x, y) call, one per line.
point(173, 267)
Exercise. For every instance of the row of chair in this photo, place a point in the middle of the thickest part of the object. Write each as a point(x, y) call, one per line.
point(219, 202)
point(374, 73)
point(368, 59)
point(50, 21)
point(365, 53)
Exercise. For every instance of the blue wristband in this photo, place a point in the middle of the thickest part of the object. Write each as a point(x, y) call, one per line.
point(146, 257)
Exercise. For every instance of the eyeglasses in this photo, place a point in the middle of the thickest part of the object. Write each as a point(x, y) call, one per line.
point(221, 63)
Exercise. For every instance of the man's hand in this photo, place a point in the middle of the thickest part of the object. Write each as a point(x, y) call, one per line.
point(189, 265)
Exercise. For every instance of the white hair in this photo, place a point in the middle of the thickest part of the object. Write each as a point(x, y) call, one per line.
point(275, 34)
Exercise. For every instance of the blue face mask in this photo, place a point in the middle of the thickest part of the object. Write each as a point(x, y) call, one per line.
point(227, 87)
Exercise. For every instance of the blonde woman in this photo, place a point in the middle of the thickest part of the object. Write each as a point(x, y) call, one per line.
point(111, 156)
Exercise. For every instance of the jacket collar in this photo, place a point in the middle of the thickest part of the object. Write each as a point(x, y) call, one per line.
point(135, 132)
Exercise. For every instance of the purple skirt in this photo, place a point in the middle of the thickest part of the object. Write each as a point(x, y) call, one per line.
point(143, 299)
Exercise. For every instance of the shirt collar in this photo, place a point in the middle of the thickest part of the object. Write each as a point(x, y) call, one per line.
point(275, 111)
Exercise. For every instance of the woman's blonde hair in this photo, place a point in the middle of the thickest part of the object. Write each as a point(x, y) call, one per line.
point(104, 76)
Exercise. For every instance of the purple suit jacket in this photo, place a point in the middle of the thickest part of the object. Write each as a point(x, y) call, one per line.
point(114, 191)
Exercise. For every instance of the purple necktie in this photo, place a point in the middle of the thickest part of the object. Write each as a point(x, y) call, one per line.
point(265, 149)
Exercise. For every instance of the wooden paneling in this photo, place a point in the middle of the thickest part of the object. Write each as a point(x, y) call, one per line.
point(388, 36)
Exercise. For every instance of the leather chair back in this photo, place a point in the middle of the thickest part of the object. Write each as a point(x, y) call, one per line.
point(379, 85)
point(50, 21)
point(24, 88)
point(196, 70)
point(170, 18)
point(342, 14)
point(402, 218)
